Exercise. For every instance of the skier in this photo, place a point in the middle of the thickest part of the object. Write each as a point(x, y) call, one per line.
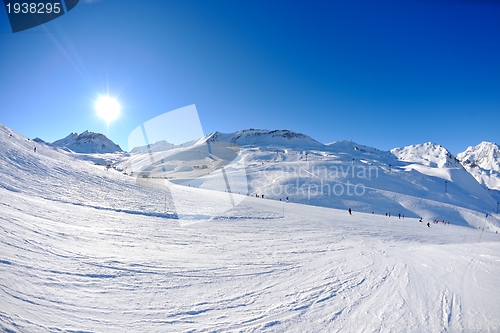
point(350, 211)
point(420, 220)
point(429, 224)
point(373, 212)
point(286, 199)
point(399, 216)
point(34, 149)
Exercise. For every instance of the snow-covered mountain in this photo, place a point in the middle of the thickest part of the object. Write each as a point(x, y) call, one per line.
point(429, 154)
point(259, 137)
point(88, 142)
point(155, 147)
point(483, 162)
point(37, 139)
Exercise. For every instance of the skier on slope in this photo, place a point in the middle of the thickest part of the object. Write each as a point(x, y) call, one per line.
point(350, 211)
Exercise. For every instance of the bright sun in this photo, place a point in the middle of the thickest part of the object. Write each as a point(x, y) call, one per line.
point(107, 108)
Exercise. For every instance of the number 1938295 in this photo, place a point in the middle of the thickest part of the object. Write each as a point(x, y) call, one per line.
point(33, 8)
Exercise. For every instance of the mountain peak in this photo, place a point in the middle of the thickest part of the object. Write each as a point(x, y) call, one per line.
point(483, 162)
point(485, 155)
point(429, 153)
point(88, 142)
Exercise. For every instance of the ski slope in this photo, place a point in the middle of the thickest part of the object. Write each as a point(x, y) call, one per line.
point(417, 181)
point(83, 249)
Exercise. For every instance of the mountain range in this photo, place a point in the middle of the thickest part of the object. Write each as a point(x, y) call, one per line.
point(481, 161)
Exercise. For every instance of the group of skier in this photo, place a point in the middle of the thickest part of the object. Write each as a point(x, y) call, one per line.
point(402, 216)
point(262, 197)
point(435, 222)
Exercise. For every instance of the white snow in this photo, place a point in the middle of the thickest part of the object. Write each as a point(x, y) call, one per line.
point(83, 249)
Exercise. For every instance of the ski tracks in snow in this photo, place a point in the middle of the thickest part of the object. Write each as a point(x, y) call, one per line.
point(68, 267)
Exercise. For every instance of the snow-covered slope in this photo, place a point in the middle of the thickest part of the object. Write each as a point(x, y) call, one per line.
point(83, 249)
point(420, 180)
point(57, 175)
point(483, 162)
point(348, 175)
point(88, 142)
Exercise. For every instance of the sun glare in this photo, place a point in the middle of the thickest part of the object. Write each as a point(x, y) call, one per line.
point(107, 108)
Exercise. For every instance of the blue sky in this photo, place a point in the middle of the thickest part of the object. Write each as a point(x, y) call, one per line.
point(381, 73)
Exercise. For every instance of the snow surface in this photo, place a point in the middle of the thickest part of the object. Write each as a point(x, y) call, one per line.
point(83, 249)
